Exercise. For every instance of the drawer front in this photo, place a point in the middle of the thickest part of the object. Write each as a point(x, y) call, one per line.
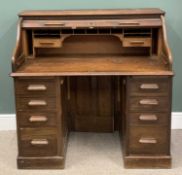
point(137, 42)
point(149, 118)
point(36, 104)
point(37, 142)
point(148, 140)
point(149, 104)
point(149, 86)
point(35, 87)
point(36, 119)
point(46, 43)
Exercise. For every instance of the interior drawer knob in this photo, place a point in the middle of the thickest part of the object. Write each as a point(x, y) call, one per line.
point(149, 102)
point(39, 142)
point(38, 119)
point(36, 87)
point(46, 44)
point(148, 117)
point(149, 86)
point(148, 140)
point(137, 42)
point(37, 103)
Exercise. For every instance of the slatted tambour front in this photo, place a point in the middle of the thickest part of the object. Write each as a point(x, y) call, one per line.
point(91, 23)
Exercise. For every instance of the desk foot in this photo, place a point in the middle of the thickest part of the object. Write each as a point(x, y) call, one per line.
point(55, 162)
point(147, 162)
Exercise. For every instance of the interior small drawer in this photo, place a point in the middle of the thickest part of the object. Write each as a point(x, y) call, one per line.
point(147, 103)
point(37, 142)
point(148, 140)
point(35, 87)
point(149, 86)
point(37, 119)
point(46, 42)
point(149, 118)
point(35, 104)
point(137, 42)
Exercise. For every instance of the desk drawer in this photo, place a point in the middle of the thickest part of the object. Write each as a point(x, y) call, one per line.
point(148, 140)
point(153, 104)
point(137, 42)
point(37, 119)
point(149, 86)
point(149, 118)
point(35, 87)
point(36, 104)
point(47, 42)
point(38, 142)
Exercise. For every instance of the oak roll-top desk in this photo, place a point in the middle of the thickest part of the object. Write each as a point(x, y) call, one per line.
point(93, 71)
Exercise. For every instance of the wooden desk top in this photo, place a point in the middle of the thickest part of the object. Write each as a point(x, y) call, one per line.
point(106, 65)
point(43, 13)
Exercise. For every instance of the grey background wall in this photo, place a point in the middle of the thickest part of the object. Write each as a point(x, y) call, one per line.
point(8, 20)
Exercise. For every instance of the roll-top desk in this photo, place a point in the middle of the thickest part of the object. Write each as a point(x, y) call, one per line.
point(92, 71)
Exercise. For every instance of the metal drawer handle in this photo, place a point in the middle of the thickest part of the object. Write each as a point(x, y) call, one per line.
point(151, 117)
point(149, 86)
point(38, 119)
point(149, 102)
point(39, 142)
point(148, 141)
point(37, 103)
point(55, 24)
point(36, 87)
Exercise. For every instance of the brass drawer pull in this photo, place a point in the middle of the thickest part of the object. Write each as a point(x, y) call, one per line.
point(137, 42)
point(151, 117)
point(149, 102)
point(148, 141)
point(55, 24)
point(149, 86)
point(37, 87)
point(39, 142)
point(37, 103)
point(47, 44)
point(38, 119)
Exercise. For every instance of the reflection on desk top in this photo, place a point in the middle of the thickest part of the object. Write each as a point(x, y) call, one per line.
point(93, 65)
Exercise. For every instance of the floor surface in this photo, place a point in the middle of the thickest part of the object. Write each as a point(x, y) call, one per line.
point(88, 154)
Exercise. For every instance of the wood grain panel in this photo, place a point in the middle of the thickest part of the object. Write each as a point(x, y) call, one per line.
point(149, 118)
point(93, 65)
point(92, 103)
point(149, 104)
point(36, 104)
point(149, 86)
point(40, 87)
point(148, 140)
point(38, 142)
point(24, 119)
